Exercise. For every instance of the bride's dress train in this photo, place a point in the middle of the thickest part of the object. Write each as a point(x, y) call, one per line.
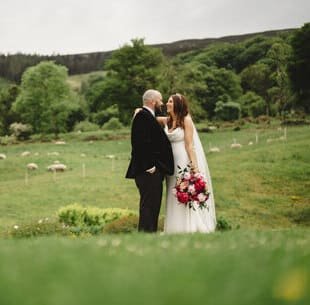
point(180, 218)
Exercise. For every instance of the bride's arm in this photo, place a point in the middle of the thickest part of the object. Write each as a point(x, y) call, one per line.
point(189, 142)
point(162, 120)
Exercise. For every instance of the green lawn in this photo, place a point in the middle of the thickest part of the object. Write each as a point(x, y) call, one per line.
point(261, 189)
point(264, 185)
point(236, 267)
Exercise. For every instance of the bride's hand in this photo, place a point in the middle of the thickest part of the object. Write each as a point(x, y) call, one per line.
point(137, 110)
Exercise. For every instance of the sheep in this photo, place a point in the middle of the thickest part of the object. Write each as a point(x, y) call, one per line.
point(2, 156)
point(25, 153)
point(32, 166)
point(55, 153)
point(60, 142)
point(235, 145)
point(57, 168)
point(214, 149)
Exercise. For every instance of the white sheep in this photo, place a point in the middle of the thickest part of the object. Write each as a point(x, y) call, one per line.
point(235, 145)
point(60, 142)
point(57, 168)
point(32, 166)
point(214, 149)
point(55, 153)
point(25, 153)
point(2, 156)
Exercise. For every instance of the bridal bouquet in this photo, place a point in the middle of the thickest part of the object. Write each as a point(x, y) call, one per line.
point(191, 188)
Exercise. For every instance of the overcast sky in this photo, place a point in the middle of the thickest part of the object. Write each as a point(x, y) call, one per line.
point(79, 26)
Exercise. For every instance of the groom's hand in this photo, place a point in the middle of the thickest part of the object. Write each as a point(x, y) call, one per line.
point(151, 170)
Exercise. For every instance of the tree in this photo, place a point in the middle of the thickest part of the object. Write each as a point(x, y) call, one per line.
point(257, 78)
point(299, 67)
point(220, 82)
point(280, 94)
point(46, 100)
point(252, 104)
point(131, 70)
point(8, 96)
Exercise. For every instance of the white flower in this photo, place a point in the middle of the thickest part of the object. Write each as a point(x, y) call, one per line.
point(187, 176)
point(16, 227)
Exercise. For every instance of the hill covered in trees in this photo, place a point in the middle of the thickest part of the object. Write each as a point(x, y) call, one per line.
point(12, 66)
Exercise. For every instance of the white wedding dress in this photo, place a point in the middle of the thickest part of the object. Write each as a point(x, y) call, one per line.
point(180, 218)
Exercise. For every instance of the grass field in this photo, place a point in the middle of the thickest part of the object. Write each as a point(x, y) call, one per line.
point(262, 190)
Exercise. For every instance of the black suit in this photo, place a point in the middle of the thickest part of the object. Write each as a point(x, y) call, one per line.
point(150, 147)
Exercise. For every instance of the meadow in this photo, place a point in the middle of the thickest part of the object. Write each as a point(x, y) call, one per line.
point(261, 190)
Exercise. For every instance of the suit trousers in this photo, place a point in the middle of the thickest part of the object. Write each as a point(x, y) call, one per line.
point(150, 187)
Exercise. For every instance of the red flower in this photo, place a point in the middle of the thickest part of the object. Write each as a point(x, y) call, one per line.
point(200, 185)
point(182, 197)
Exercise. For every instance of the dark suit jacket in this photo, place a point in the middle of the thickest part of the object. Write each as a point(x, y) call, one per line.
point(150, 146)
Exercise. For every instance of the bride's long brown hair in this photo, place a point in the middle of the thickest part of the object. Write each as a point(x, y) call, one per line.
point(180, 109)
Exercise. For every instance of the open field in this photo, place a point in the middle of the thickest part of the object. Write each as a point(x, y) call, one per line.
point(262, 190)
point(264, 185)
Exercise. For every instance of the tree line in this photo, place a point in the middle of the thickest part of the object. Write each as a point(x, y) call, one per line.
point(225, 81)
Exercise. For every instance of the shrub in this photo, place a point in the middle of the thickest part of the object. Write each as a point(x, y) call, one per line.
point(113, 124)
point(38, 228)
point(252, 104)
point(21, 131)
point(125, 224)
point(77, 215)
point(6, 140)
point(227, 111)
point(86, 126)
point(104, 116)
point(222, 224)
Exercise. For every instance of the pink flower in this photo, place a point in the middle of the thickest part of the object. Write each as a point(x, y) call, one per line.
point(183, 185)
point(202, 197)
point(192, 189)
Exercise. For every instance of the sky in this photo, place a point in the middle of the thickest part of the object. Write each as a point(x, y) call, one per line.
point(82, 26)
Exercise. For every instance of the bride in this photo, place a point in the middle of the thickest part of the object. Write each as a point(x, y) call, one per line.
point(187, 149)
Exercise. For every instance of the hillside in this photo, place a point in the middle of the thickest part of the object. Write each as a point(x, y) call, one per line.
point(13, 65)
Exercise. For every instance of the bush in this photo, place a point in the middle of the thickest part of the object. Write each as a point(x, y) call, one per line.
point(86, 126)
point(113, 124)
point(104, 116)
point(6, 140)
point(125, 224)
point(223, 225)
point(252, 104)
point(21, 131)
point(39, 228)
point(77, 215)
point(227, 111)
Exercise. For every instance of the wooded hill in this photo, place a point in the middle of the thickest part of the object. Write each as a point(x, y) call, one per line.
point(12, 66)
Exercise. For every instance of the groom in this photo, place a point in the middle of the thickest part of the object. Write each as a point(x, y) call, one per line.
point(151, 159)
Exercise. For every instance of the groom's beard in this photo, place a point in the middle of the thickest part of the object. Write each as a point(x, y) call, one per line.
point(161, 110)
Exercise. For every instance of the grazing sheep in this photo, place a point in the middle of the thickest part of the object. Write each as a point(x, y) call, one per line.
point(57, 167)
point(212, 127)
point(25, 153)
point(55, 153)
point(214, 149)
point(2, 156)
point(83, 155)
point(32, 166)
point(60, 142)
point(250, 143)
point(235, 145)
